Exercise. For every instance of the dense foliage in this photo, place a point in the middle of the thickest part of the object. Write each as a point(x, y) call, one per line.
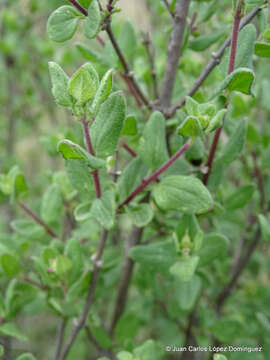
point(134, 180)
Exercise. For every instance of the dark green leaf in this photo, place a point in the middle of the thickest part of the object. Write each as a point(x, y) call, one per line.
point(262, 49)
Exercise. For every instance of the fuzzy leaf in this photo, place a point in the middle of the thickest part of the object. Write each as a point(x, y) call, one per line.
point(92, 22)
point(262, 49)
point(190, 127)
point(83, 211)
point(203, 42)
point(182, 193)
point(214, 246)
point(187, 292)
point(103, 91)
point(216, 121)
point(153, 149)
point(239, 80)
point(83, 84)
point(107, 127)
point(103, 209)
point(70, 150)
point(185, 268)
point(240, 197)
point(52, 205)
point(140, 215)
point(59, 81)
point(63, 23)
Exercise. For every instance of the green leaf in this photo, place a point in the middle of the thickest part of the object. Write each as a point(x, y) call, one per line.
point(149, 350)
point(80, 177)
point(12, 330)
point(92, 22)
point(190, 127)
point(27, 228)
point(266, 33)
point(240, 198)
point(52, 205)
point(183, 193)
point(103, 209)
point(185, 268)
point(140, 215)
point(203, 42)
point(214, 246)
point(265, 227)
point(59, 80)
point(127, 40)
point(158, 256)
point(107, 127)
point(102, 337)
point(130, 126)
point(1, 351)
point(187, 293)
point(262, 49)
point(84, 83)
point(153, 148)
point(83, 211)
point(26, 356)
point(245, 49)
point(70, 150)
point(63, 23)
point(239, 80)
point(216, 121)
point(10, 265)
point(74, 252)
point(264, 321)
point(124, 355)
point(62, 265)
point(131, 177)
point(103, 91)
point(192, 106)
point(232, 150)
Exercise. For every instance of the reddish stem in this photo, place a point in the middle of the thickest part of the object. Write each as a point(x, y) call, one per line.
point(235, 33)
point(38, 220)
point(155, 175)
point(91, 151)
point(128, 149)
point(78, 6)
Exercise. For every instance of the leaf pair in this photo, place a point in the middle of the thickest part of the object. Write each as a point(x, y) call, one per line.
point(63, 22)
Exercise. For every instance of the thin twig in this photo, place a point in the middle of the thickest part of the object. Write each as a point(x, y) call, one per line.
point(234, 42)
point(126, 275)
point(174, 52)
point(38, 220)
point(91, 151)
point(166, 3)
point(128, 149)
point(151, 56)
point(156, 174)
point(80, 323)
point(60, 338)
point(216, 57)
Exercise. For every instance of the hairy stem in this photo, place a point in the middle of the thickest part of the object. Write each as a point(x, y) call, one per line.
point(156, 174)
point(216, 57)
point(80, 323)
point(91, 151)
point(37, 220)
point(174, 51)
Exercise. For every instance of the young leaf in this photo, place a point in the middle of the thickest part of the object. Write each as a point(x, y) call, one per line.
point(153, 149)
point(216, 121)
point(83, 84)
point(62, 23)
point(59, 81)
point(214, 246)
point(92, 22)
point(140, 214)
point(52, 205)
point(103, 209)
point(240, 198)
point(190, 127)
point(262, 49)
point(12, 330)
point(103, 91)
point(239, 80)
point(19, 186)
point(107, 127)
point(62, 265)
point(183, 193)
point(185, 268)
point(70, 150)
point(192, 106)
